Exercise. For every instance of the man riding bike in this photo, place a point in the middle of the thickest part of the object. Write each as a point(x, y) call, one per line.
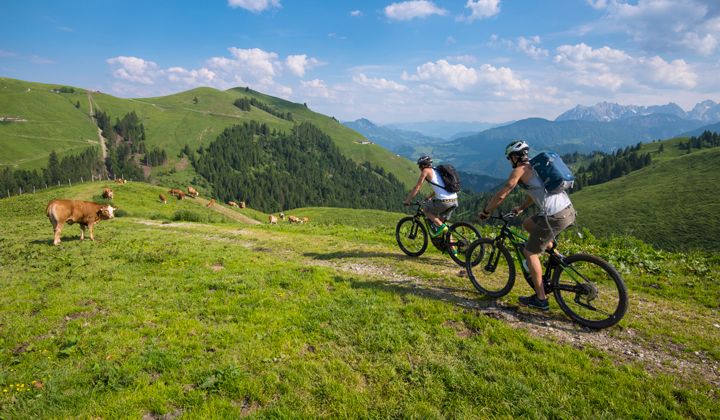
point(440, 201)
point(555, 214)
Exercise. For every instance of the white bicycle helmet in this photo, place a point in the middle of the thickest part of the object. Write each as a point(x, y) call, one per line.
point(516, 147)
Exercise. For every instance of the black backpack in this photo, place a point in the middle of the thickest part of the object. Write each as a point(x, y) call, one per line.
point(450, 178)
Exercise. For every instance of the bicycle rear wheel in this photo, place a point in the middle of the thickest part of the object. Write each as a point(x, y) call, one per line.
point(590, 291)
point(411, 236)
point(461, 235)
point(490, 267)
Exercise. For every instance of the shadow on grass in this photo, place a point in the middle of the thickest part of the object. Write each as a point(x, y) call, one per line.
point(484, 305)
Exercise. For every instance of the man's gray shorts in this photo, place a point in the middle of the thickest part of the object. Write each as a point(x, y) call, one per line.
point(443, 208)
point(547, 228)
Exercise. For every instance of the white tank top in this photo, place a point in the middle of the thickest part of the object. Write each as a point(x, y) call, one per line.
point(548, 204)
point(440, 192)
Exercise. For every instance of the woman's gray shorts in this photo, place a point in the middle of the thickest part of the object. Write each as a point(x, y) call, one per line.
point(443, 208)
point(547, 228)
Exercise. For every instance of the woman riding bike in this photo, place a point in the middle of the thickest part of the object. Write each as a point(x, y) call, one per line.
point(440, 201)
point(555, 214)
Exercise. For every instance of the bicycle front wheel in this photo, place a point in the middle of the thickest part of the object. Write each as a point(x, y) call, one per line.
point(490, 267)
point(411, 236)
point(590, 291)
point(460, 236)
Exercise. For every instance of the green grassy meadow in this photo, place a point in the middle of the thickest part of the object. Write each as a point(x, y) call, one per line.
point(180, 310)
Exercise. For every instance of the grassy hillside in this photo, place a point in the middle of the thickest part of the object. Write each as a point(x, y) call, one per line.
point(670, 203)
point(170, 122)
point(34, 120)
point(223, 319)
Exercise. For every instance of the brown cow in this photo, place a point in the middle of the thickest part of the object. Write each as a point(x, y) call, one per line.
point(294, 219)
point(107, 193)
point(304, 219)
point(241, 204)
point(163, 199)
point(121, 181)
point(282, 216)
point(177, 193)
point(210, 203)
point(192, 192)
point(232, 204)
point(85, 213)
point(272, 220)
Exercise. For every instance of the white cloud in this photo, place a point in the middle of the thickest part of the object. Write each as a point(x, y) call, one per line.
point(444, 74)
point(664, 25)
point(612, 69)
point(409, 10)
point(378, 83)
point(597, 4)
point(315, 88)
point(201, 76)
point(134, 69)
point(356, 13)
point(676, 73)
point(255, 6)
point(530, 46)
point(481, 9)
point(299, 64)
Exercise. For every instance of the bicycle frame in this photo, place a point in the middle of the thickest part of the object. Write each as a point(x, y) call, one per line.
point(438, 242)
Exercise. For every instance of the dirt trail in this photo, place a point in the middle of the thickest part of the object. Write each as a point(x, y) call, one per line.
point(103, 146)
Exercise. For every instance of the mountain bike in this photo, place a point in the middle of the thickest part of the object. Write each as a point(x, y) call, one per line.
point(587, 288)
point(412, 236)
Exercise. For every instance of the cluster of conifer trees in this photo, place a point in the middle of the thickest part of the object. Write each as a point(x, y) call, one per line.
point(272, 171)
point(606, 166)
point(72, 168)
point(705, 140)
point(245, 103)
point(124, 140)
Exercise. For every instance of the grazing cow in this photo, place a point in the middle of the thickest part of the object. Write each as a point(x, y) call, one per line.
point(85, 213)
point(241, 204)
point(273, 220)
point(163, 199)
point(192, 192)
point(177, 193)
point(294, 219)
point(304, 219)
point(210, 203)
point(282, 216)
point(107, 193)
point(121, 181)
point(232, 204)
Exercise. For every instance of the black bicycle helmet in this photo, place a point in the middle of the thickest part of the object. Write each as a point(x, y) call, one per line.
point(424, 161)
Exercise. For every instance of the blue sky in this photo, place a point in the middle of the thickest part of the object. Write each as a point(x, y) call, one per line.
point(389, 61)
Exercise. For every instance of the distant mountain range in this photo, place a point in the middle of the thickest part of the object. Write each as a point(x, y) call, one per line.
point(448, 130)
point(706, 111)
point(402, 142)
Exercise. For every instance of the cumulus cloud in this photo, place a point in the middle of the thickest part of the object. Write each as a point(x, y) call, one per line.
point(378, 83)
point(612, 69)
point(528, 46)
point(255, 6)
point(444, 75)
point(356, 13)
point(315, 88)
point(298, 64)
point(409, 10)
point(481, 9)
point(134, 69)
point(242, 67)
point(664, 25)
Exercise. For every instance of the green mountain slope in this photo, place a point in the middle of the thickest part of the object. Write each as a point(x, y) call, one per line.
point(671, 203)
point(170, 122)
point(34, 120)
